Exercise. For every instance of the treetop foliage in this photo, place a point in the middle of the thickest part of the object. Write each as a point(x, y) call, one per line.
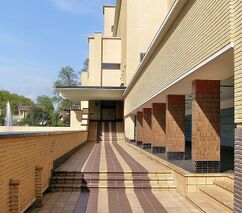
point(14, 99)
point(67, 77)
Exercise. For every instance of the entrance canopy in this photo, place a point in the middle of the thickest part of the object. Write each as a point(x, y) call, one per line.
point(88, 93)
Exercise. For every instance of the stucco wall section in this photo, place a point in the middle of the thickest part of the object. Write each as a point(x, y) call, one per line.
point(111, 50)
point(95, 61)
point(129, 127)
point(109, 13)
point(144, 22)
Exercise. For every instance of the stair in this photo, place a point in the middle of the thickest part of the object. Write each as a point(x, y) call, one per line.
point(78, 181)
point(229, 186)
point(73, 181)
point(67, 181)
point(130, 180)
point(215, 198)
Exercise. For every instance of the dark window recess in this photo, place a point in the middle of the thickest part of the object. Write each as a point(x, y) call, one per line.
point(109, 66)
point(142, 55)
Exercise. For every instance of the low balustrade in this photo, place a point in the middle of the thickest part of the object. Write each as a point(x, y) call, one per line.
point(27, 160)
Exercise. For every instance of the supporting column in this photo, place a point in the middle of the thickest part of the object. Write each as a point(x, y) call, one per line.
point(38, 186)
point(147, 137)
point(139, 131)
point(129, 128)
point(175, 127)
point(158, 128)
point(14, 196)
point(206, 126)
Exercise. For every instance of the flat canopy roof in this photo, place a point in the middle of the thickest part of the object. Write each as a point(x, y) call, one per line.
point(88, 93)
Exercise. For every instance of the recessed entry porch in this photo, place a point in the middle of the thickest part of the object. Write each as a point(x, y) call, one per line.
point(97, 103)
point(105, 110)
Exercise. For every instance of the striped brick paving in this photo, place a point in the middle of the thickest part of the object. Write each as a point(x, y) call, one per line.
point(114, 178)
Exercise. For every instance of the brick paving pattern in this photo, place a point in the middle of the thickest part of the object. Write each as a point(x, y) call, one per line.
point(117, 178)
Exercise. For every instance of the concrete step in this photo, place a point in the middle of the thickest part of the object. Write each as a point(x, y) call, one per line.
point(226, 185)
point(220, 196)
point(137, 179)
point(112, 185)
point(66, 187)
point(67, 180)
point(67, 174)
point(129, 175)
point(204, 204)
point(143, 186)
point(74, 181)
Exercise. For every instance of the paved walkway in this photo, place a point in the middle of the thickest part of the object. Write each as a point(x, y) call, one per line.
point(118, 178)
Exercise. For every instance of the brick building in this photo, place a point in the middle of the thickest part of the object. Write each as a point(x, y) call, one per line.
point(172, 71)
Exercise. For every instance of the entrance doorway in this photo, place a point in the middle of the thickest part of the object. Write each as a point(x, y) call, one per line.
point(110, 110)
point(106, 110)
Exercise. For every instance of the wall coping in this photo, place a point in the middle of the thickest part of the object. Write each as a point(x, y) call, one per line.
point(10, 135)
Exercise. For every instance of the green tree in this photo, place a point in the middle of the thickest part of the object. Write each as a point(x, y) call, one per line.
point(46, 102)
point(85, 65)
point(2, 120)
point(37, 116)
point(67, 77)
point(14, 99)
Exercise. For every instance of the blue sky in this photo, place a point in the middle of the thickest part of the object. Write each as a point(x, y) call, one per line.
point(38, 37)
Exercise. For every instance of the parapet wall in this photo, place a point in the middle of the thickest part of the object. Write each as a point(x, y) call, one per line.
point(26, 161)
point(26, 129)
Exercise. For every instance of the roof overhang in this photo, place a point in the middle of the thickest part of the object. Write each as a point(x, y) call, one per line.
point(87, 93)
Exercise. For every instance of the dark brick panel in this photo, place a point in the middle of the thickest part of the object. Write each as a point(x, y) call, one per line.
point(158, 149)
point(238, 171)
point(175, 155)
point(206, 166)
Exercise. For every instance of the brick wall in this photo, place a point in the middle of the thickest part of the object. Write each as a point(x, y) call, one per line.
point(201, 37)
point(139, 124)
point(227, 127)
point(21, 155)
point(175, 127)
point(206, 126)
point(238, 171)
point(147, 134)
point(159, 127)
point(237, 26)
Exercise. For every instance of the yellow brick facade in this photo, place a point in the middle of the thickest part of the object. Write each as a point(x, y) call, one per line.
point(237, 36)
point(193, 38)
point(19, 157)
point(137, 25)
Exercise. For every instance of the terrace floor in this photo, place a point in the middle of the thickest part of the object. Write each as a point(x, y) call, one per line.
point(118, 178)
